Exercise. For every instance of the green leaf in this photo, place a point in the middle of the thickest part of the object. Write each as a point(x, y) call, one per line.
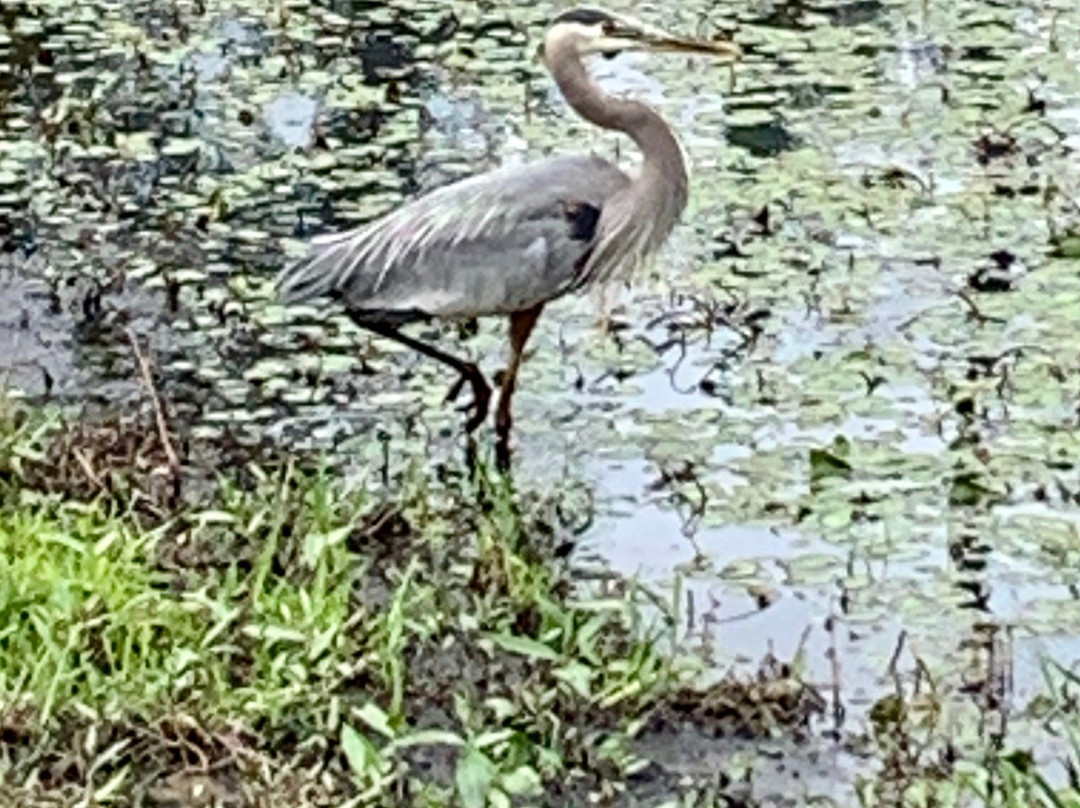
point(462, 709)
point(578, 676)
point(376, 718)
point(1022, 760)
point(212, 517)
point(104, 795)
point(276, 634)
point(316, 544)
point(1067, 247)
point(322, 641)
point(525, 646)
point(474, 775)
point(502, 708)
point(585, 637)
point(621, 694)
point(428, 737)
point(495, 736)
point(824, 464)
point(522, 782)
point(599, 605)
point(358, 752)
point(968, 490)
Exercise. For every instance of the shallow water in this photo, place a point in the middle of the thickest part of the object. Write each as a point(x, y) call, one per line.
point(847, 393)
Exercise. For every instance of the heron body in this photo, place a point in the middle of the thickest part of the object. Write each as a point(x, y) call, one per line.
point(511, 240)
point(492, 244)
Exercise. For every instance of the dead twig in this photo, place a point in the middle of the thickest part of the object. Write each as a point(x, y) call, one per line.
point(88, 469)
point(894, 661)
point(159, 410)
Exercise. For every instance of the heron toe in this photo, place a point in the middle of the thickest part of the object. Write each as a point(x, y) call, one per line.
point(481, 396)
point(455, 390)
point(481, 393)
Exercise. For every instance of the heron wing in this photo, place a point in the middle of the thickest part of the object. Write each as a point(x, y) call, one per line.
point(497, 242)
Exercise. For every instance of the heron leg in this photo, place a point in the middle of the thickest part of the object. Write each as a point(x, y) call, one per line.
point(470, 373)
point(521, 326)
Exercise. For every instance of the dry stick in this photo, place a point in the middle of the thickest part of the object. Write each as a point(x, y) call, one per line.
point(895, 660)
point(87, 469)
point(833, 654)
point(159, 410)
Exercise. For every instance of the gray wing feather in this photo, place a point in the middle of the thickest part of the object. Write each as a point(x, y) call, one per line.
point(492, 243)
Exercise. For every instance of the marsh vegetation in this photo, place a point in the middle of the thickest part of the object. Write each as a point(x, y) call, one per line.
point(797, 524)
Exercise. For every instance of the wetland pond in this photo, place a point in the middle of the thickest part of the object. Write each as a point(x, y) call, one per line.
point(836, 422)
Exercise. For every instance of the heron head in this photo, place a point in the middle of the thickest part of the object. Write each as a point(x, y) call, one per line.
point(591, 30)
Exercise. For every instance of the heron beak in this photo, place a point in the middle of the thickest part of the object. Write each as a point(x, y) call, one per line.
point(655, 40)
point(722, 49)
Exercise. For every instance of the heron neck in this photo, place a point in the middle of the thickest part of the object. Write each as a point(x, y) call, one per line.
point(663, 157)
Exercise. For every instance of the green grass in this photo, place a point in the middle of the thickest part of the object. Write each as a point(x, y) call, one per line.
point(297, 638)
point(1014, 780)
point(84, 619)
point(306, 640)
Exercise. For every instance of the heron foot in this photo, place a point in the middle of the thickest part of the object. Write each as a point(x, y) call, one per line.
point(481, 396)
point(455, 390)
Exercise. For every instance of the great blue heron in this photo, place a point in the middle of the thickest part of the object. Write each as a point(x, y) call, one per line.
point(508, 241)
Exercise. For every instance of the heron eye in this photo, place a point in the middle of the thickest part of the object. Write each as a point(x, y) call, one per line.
point(608, 28)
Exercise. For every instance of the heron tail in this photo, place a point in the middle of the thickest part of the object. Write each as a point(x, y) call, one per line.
point(314, 276)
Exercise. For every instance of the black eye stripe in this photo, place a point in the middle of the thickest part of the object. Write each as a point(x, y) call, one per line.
point(585, 16)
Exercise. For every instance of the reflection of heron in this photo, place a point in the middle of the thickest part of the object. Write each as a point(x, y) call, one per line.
point(508, 241)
